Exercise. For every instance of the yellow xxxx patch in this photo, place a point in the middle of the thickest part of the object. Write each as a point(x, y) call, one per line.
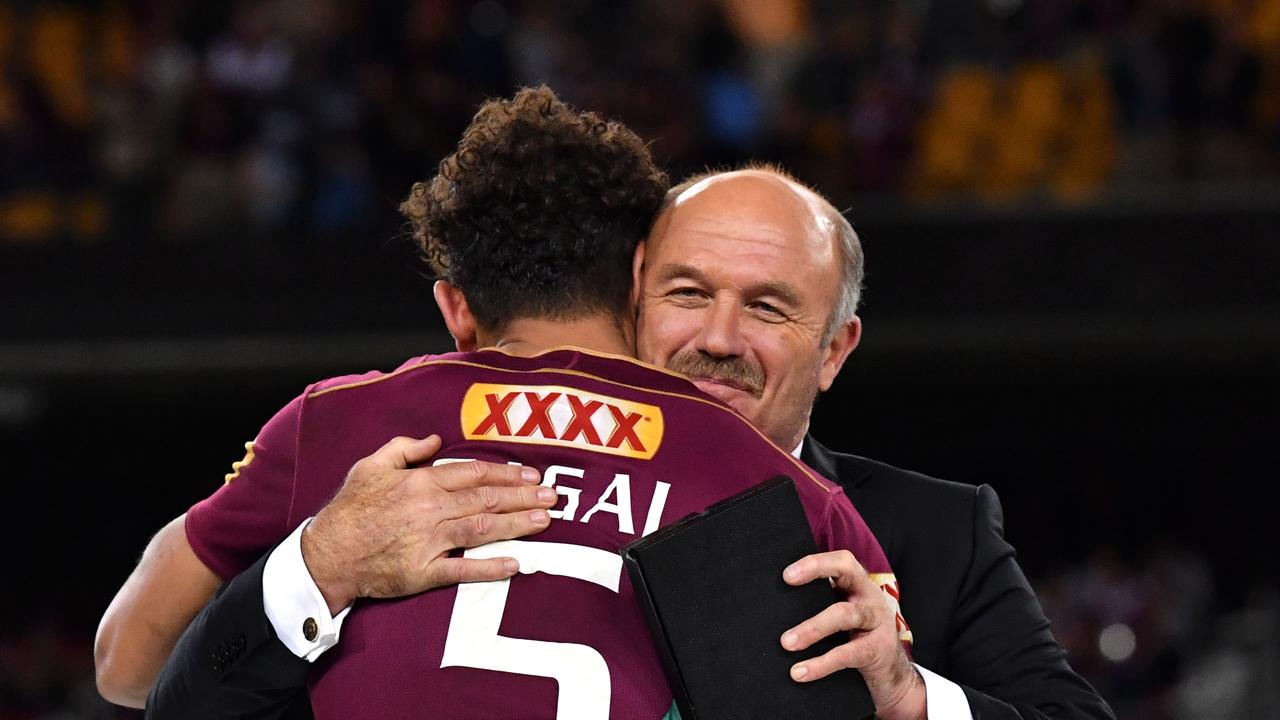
point(562, 416)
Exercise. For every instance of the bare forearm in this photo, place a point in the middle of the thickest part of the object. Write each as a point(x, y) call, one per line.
point(148, 615)
point(128, 655)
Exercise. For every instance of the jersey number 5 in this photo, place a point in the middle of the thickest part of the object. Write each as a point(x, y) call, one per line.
point(473, 639)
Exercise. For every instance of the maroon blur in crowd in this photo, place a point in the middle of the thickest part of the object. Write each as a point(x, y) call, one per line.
point(159, 119)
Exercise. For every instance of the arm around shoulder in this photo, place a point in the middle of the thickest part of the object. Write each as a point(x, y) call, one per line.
point(230, 662)
point(1002, 642)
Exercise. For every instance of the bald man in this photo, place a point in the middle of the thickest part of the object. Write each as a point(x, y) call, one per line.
point(749, 284)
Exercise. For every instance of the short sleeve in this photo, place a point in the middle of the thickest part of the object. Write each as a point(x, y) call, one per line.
point(249, 514)
point(845, 529)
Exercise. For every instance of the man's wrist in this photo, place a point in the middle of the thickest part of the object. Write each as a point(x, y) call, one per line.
point(912, 704)
point(338, 591)
point(296, 609)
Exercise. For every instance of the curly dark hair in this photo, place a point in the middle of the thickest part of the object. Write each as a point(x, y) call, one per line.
point(538, 212)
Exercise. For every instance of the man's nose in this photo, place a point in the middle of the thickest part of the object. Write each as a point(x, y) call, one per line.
point(721, 334)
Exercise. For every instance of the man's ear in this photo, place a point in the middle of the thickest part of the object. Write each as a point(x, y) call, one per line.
point(637, 271)
point(837, 351)
point(457, 315)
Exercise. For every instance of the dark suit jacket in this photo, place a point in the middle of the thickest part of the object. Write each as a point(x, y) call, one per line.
point(230, 664)
point(974, 617)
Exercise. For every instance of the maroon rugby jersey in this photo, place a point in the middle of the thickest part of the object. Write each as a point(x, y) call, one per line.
point(628, 446)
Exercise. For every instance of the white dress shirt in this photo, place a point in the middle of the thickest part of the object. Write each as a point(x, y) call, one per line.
point(294, 605)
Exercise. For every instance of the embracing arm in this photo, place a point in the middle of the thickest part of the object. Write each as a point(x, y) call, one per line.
point(1002, 653)
point(387, 533)
point(230, 662)
point(143, 622)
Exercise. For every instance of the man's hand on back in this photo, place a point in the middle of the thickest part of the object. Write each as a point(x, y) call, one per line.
point(873, 647)
point(389, 530)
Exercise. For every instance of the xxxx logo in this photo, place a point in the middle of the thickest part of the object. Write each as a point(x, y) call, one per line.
point(555, 415)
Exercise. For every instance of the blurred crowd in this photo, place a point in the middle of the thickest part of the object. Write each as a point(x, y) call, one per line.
point(176, 119)
point(1162, 639)
point(46, 673)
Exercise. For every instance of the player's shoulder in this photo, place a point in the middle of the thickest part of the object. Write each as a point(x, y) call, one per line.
point(342, 384)
point(696, 408)
point(568, 365)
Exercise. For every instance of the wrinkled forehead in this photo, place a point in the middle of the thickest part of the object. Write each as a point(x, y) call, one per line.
point(741, 200)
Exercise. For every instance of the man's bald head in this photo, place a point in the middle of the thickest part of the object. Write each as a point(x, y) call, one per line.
point(748, 284)
point(761, 183)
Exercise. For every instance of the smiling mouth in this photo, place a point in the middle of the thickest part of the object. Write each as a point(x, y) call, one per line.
point(724, 383)
point(724, 377)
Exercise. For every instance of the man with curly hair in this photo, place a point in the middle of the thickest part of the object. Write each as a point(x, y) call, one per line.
point(531, 226)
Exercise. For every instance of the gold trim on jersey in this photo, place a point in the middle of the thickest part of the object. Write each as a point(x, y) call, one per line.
point(239, 465)
point(595, 353)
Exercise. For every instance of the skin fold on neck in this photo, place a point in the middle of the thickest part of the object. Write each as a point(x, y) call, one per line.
point(531, 336)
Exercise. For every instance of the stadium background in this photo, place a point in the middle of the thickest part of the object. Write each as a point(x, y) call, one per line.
point(1070, 210)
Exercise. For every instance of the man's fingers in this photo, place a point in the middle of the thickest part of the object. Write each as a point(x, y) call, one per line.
point(841, 617)
point(484, 528)
point(489, 499)
point(451, 571)
point(477, 473)
point(821, 565)
point(856, 653)
point(841, 566)
point(402, 452)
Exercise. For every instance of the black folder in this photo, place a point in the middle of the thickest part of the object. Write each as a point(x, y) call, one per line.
point(712, 587)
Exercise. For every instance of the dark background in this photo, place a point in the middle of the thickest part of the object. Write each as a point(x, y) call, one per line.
point(1069, 210)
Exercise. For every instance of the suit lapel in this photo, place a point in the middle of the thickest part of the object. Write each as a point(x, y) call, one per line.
point(817, 456)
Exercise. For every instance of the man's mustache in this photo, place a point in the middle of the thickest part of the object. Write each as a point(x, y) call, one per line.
point(737, 371)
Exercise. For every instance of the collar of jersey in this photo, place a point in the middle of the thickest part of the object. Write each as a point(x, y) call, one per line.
point(585, 351)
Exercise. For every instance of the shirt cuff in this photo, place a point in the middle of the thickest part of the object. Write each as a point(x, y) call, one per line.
point(945, 700)
point(294, 605)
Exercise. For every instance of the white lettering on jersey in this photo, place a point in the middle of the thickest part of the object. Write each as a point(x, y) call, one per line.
point(656, 507)
point(571, 494)
point(621, 488)
point(615, 500)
